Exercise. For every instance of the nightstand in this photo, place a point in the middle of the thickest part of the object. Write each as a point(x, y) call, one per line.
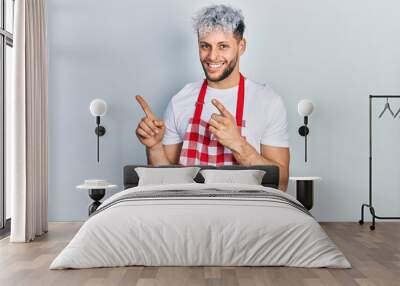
point(97, 190)
point(305, 190)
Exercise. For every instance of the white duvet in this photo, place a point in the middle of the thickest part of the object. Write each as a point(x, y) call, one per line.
point(200, 231)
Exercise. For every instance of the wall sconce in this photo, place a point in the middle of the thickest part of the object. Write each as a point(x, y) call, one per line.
point(98, 108)
point(305, 108)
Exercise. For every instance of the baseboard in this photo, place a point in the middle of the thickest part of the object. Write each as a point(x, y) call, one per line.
point(67, 221)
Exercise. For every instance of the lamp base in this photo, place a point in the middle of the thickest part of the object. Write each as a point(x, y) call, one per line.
point(100, 130)
point(303, 130)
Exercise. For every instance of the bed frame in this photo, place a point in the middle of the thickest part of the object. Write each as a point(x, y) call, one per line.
point(270, 179)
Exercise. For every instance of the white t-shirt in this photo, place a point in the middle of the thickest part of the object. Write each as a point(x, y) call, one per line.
point(264, 113)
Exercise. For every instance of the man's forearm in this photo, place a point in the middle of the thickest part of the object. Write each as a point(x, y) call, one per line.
point(156, 155)
point(247, 155)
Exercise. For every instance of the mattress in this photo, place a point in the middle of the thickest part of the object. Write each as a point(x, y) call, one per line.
point(201, 225)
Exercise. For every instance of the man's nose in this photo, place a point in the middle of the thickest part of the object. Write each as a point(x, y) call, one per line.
point(213, 55)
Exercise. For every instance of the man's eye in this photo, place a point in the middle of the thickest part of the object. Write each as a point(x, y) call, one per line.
point(204, 46)
point(224, 46)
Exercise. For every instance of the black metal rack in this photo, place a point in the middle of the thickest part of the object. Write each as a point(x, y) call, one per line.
point(369, 205)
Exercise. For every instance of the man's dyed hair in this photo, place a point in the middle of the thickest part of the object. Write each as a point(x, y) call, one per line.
point(219, 17)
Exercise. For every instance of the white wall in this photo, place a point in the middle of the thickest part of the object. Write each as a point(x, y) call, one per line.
point(335, 53)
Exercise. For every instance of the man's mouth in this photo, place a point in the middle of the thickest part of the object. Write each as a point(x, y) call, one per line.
point(212, 67)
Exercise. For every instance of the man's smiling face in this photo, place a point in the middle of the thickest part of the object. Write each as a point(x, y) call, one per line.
point(219, 54)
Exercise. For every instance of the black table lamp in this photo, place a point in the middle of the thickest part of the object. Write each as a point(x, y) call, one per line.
point(98, 108)
point(305, 108)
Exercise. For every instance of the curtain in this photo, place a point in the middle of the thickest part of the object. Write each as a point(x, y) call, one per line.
point(28, 123)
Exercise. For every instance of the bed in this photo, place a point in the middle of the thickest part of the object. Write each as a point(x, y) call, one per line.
point(201, 224)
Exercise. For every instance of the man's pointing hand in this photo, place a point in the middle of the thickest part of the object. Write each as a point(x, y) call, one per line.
point(150, 130)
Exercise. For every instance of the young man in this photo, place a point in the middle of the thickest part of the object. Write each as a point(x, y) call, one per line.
point(225, 119)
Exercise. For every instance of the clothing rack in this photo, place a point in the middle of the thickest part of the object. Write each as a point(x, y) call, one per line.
point(369, 205)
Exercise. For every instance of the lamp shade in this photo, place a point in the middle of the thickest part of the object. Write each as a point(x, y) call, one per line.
point(98, 107)
point(305, 107)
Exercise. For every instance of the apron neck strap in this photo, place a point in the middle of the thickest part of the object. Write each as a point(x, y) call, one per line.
point(239, 103)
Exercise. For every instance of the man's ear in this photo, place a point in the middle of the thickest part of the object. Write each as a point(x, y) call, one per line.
point(242, 46)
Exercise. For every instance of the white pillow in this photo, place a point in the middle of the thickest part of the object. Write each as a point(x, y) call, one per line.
point(249, 177)
point(163, 176)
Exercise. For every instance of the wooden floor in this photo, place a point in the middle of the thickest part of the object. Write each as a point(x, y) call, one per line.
point(374, 255)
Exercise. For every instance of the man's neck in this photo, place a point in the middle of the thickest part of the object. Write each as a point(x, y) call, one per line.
point(231, 81)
